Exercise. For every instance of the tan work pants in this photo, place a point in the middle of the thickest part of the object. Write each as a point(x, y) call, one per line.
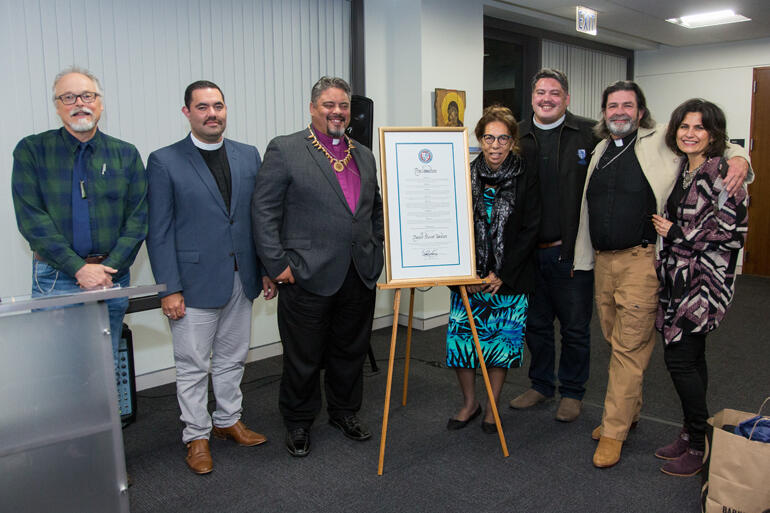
point(626, 300)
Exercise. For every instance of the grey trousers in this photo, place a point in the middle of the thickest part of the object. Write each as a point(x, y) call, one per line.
point(215, 339)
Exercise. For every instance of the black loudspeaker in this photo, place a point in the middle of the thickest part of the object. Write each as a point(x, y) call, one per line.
point(124, 376)
point(361, 120)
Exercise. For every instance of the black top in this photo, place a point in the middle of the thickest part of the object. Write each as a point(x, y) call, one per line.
point(216, 160)
point(620, 200)
point(678, 192)
point(548, 171)
point(576, 142)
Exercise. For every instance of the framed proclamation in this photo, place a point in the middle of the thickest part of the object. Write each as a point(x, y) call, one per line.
point(426, 193)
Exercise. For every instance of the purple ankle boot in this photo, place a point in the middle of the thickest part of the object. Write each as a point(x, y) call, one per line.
point(688, 464)
point(676, 448)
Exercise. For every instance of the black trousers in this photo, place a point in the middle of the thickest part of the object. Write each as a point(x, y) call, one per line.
point(331, 332)
point(686, 362)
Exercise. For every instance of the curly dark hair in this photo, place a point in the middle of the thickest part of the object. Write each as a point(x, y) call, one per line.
point(504, 116)
point(712, 119)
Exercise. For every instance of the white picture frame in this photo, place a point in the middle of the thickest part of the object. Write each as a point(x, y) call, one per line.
point(427, 204)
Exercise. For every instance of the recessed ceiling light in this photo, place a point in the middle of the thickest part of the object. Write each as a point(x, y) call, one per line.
point(708, 19)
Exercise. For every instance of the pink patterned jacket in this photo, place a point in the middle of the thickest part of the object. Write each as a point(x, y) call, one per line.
point(696, 265)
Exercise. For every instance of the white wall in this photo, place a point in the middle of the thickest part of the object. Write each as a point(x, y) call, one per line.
point(412, 48)
point(265, 55)
point(719, 73)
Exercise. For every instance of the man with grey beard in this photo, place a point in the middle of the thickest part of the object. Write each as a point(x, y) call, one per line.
point(630, 177)
point(80, 199)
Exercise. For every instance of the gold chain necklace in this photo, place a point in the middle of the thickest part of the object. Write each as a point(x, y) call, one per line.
point(337, 164)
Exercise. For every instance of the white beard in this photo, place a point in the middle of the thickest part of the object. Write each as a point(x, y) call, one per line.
point(621, 128)
point(82, 125)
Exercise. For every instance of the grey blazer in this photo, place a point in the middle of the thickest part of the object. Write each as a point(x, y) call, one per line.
point(301, 218)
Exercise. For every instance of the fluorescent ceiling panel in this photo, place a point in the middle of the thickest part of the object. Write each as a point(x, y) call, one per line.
point(708, 19)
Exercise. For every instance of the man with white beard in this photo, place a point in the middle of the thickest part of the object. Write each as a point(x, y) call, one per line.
point(80, 199)
point(630, 177)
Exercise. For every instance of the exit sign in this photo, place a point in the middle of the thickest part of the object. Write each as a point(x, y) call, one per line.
point(585, 20)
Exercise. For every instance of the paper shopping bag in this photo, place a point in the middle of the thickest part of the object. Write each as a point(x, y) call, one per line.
point(736, 476)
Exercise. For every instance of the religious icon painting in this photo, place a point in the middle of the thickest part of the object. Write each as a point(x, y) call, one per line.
point(450, 107)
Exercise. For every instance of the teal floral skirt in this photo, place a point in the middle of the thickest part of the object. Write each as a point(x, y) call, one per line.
point(501, 322)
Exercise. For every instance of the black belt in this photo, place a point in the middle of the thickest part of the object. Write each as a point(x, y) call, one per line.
point(90, 259)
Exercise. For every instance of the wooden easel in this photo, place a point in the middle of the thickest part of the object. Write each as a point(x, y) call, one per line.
point(398, 285)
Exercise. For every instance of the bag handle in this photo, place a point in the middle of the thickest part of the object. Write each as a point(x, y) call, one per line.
point(759, 416)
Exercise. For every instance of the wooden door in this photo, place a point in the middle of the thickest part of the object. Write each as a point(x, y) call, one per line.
point(756, 258)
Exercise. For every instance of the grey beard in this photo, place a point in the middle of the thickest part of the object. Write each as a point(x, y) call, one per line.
point(619, 132)
point(82, 126)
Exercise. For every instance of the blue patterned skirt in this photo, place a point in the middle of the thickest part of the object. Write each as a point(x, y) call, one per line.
point(501, 322)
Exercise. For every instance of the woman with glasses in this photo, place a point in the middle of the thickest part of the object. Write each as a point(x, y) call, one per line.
point(702, 231)
point(506, 215)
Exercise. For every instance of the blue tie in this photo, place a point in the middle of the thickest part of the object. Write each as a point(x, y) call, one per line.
point(81, 221)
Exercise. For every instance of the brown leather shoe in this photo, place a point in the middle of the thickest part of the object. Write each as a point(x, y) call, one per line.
point(597, 432)
point(199, 456)
point(569, 409)
point(240, 433)
point(607, 452)
point(527, 400)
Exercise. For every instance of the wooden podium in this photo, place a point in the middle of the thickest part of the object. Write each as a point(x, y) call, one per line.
point(398, 286)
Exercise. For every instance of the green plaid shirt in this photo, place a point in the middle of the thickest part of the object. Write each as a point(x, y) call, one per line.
point(116, 187)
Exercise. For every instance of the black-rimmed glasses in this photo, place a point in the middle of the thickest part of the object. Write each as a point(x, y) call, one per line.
point(69, 98)
point(490, 139)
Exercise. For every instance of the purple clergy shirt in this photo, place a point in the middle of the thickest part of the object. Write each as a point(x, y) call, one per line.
point(350, 177)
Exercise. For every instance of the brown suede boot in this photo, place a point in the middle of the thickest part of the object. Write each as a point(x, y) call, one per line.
point(607, 452)
point(597, 432)
point(527, 400)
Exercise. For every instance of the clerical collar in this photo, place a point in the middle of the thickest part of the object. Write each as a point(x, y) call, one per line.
point(549, 126)
point(206, 146)
point(326, 140)
point(625, 140)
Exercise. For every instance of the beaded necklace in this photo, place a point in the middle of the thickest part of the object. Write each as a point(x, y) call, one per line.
point(337, 164)
point(687, 175)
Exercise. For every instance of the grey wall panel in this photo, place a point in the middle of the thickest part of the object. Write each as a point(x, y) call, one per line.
point(588, 71)
point(265, 54)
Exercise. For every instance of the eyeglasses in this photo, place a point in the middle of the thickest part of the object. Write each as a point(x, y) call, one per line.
point(69, 98)
point(490, 139)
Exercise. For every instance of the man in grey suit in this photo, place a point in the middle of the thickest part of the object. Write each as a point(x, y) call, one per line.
point(200, 245)
point(318, 228)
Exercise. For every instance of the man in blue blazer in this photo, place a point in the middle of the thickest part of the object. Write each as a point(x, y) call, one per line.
point(200, 245)
point(318, 228)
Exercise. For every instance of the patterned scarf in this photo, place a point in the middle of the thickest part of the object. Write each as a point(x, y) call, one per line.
point(490, 244)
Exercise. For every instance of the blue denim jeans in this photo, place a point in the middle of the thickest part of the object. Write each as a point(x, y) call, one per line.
point(47, 281)
point(566, 295)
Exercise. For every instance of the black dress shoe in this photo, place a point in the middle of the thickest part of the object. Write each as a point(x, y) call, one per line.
point(298, 442)
point(351, 426)
point(455, 424)
point(489, 428)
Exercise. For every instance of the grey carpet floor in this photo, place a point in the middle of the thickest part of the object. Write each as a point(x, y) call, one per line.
point(428, 468)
